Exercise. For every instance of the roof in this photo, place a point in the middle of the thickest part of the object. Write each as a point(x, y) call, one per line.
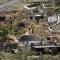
point(29, 38)
point(48, 46)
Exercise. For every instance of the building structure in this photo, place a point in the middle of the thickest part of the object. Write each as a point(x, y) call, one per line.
point(29, 39)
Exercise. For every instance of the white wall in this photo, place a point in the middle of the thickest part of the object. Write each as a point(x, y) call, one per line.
point(59, 17)
point(52, 19)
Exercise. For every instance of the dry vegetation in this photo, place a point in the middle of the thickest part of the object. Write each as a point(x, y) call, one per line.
point(40, 30)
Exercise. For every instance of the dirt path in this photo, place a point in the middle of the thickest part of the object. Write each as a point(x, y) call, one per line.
point(14, 38)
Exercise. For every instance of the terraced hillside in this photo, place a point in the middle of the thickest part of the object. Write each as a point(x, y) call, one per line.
point(4, 1)
point(7, 5)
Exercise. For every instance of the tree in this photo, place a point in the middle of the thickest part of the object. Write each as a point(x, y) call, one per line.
point(3, 34)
